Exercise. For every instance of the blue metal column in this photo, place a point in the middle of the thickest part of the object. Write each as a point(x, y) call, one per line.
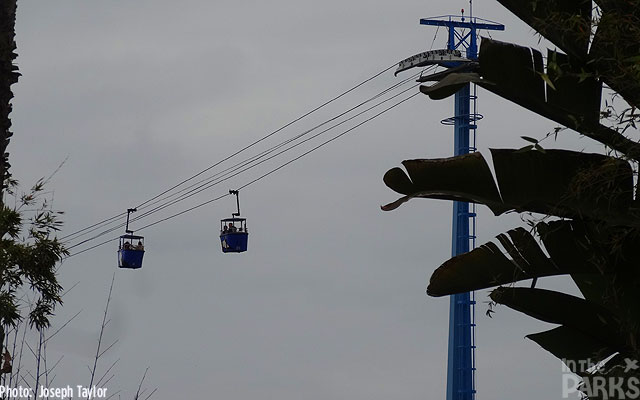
point(460, 368)
point(461, 358)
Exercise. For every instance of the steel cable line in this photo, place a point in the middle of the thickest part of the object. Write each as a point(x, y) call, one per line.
point(329, 141)
point(233, 172)
point(95, 227)
point(288, 162)
point(264, 153)
point(207, 187)
point(241, 164)
point(237, 152)
point(151, 224)
point(260, 177)
point(238, 171)
point(272, 133)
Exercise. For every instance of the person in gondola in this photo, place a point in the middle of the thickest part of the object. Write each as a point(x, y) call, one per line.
point(225, 229)
point(126, 246)
point(139, 246)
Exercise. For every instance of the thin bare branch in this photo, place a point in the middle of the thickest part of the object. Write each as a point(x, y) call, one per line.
point(38, 360)
point(104, 322)
point(56, 364)
point(113, 394)
point(151, 394)
point(70, 289)
point(63, 326)
point(106, 372)
point(110, 346)
point(137, 396)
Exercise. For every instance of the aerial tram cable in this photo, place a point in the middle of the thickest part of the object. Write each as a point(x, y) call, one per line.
point(271, 134)
point(258, 178)
point(275, 147)
point(95, 227)
point(329, 140)
point(149, 225)
point(202, 184)
point(434, 38)
point(248, 165)
point(239, 151)
point(219, 181)
point(237, 166)
point(208, 186)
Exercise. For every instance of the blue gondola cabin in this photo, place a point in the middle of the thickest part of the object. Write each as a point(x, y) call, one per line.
point(130, 251)
point(234, 235)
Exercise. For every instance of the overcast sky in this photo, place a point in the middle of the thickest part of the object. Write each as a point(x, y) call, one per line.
point(329, 302)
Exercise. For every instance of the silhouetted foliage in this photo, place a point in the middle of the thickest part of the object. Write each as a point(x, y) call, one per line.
point(590, 230)
point(29, 250)
point(29, 253)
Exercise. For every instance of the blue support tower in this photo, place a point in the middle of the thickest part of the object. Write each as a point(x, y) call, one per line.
point(462, 35)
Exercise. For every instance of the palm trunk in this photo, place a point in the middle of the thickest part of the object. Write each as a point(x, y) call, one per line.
point(8, 76)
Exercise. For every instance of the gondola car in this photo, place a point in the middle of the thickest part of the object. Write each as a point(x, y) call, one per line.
point(233, 231)
point(130, 251)
point(131, 248)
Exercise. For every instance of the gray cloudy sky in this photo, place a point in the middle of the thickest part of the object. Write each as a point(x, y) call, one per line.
point(329, 302)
